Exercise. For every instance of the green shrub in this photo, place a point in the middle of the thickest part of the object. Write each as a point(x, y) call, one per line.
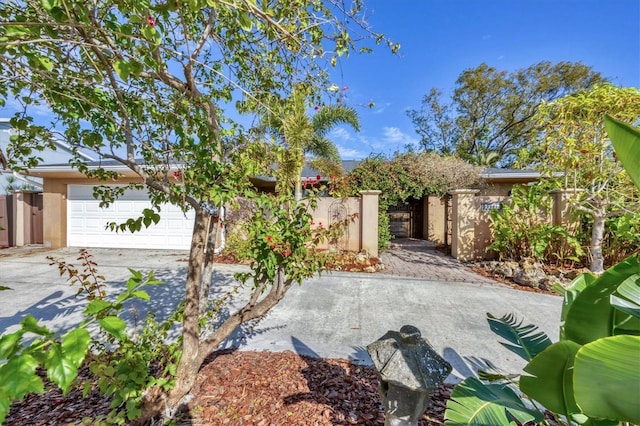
point(522, 229)
point(126, 364)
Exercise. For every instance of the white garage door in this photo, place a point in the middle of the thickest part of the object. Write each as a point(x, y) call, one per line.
point(86, 222)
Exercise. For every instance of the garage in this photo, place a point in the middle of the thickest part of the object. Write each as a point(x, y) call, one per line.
point(87, 221)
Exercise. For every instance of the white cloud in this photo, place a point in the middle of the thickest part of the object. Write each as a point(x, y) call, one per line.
point(348, 153)
point(392, 134)
point(342, 134)
point(395, 136)
point(355, 146)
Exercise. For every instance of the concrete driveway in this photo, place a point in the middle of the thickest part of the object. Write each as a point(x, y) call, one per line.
point(335, 315)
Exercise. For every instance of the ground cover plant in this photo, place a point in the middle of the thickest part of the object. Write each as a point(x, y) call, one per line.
point(590, 375)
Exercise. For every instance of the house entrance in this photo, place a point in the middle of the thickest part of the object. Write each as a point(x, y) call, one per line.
point(406, 220)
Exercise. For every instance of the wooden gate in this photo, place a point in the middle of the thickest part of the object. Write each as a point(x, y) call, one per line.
point(406, 220)
point(35, 219)
point(21, 219)
point(5, 220)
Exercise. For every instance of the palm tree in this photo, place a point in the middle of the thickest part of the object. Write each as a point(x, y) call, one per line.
point(300, 135)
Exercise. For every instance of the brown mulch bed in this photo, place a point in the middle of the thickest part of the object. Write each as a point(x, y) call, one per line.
point(252, 388)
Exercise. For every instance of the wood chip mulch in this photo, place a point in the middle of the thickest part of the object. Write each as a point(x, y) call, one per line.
point(253, 388)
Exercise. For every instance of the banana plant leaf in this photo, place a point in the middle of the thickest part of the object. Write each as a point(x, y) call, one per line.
point(630, 300)
point(583, 420)
point(551, 378)
point(524, 340)
point(570, 293)
point(626, 142)
point(591, 315)
point(474, 403)
point(607, 378)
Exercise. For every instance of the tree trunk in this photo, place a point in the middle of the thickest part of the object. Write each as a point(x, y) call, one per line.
point(207, 267)
point(194, 349)
point(156, 403)
point(298, 189)
point(597, 235)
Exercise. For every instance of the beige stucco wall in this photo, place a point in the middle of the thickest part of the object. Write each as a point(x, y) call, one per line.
point(54, 205)
point(435, 219)
point(483, 228)
point(463, 224)
point(331, 210)
point(369, 221)
point(497, 189)
point(362, 233)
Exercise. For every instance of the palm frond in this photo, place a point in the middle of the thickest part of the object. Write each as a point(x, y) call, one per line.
point(323, 148)
point(524, 340)
point(475, 403)
point(327, 117)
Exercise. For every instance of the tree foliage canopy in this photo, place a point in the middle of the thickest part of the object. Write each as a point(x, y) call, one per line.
point(299, 134)
point(489, 116)
point(574, 142)
point(153, 85)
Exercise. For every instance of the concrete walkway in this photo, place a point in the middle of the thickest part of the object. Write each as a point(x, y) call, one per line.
point(335, 315)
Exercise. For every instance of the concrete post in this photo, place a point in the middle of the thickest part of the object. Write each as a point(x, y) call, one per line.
point(463, 224)
point(369, 221)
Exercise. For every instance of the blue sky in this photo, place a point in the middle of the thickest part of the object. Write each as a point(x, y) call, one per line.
point(441, 38)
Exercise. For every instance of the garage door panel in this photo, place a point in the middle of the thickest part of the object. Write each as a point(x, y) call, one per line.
point(86, 222)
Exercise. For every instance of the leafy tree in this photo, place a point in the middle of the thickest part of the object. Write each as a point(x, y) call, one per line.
point(489, 117)
point(575, 143)
point(300, 134)
point(146, 84)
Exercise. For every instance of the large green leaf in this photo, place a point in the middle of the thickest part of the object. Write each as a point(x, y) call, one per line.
point(10, 344)
point(626, 142)
point(19, 377)
point(570, 293)
point(474, 403)
point(75, 345)
point(524, 340)
point(591, 315)
point(607, 378)
point(60, 370)
point(630, 291)
point(30, 324)
point(630, 308)
point(115, 326)
point(550, 381)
